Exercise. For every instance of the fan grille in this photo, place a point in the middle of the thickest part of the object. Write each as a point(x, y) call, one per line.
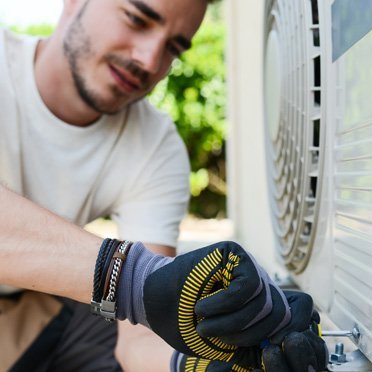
point(294, 123)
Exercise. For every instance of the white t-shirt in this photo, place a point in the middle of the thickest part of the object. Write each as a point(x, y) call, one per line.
point(132, 166)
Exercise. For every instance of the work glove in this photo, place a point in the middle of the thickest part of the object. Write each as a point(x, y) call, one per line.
point(297, 347)
point(300, 350)
point(197, 300)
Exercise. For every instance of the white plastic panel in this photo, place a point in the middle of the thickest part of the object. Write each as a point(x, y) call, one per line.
point(353, 191)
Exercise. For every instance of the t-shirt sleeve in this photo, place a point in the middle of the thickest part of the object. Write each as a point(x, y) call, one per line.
point(152, 211)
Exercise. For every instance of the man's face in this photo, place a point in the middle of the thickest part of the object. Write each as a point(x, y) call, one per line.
point(118, 50)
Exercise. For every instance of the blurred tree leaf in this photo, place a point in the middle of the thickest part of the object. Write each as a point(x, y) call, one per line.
point(35, 30)
point(194, 95)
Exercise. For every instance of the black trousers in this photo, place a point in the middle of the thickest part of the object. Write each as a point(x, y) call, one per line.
point(75, 340)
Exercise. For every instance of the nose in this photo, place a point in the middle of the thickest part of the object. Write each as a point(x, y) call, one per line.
point(149, 54)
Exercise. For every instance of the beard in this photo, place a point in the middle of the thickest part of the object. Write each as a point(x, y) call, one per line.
point(77, 48)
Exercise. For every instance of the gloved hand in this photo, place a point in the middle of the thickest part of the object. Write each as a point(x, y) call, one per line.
point(182, 363)
point(299, 348)
point(302, 316)
point(300, 352)
point(296, 348)
point(210, 293)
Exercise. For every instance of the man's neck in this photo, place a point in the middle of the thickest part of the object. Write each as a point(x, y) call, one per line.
point(56, 87)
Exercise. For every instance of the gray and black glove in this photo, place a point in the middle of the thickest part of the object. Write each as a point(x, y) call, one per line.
point(300, 352)
point(297, 346)
point(201, 300)
point(300, 349)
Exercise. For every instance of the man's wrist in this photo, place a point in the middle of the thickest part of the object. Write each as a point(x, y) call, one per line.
point(140, 263)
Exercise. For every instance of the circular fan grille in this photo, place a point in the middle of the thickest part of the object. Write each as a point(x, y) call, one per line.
point(294, 123)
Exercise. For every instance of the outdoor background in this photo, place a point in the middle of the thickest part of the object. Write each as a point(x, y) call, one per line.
point(195, 97)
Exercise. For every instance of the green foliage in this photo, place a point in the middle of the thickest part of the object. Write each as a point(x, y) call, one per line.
point(36, 30)
point(194, 95)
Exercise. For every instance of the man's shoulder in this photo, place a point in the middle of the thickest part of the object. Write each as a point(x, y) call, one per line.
point(14, 47)
point(10, 37)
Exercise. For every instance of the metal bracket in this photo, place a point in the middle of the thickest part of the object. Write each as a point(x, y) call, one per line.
point(355, 362)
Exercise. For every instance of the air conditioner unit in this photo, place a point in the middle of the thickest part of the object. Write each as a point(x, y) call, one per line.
point(317, 114)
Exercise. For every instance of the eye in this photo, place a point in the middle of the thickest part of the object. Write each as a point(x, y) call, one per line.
point(135, 20)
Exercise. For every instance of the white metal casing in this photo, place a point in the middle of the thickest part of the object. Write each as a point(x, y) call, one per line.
point(338, 231)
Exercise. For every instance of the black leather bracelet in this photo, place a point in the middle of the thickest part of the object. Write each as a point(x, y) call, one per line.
point(111, 249)
point(101, 258)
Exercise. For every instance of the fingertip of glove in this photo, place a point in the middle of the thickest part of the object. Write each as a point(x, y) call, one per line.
point(271, 352)
point(200, 329)
point(293, 339)
point(320, 348)
point(295, 296)
point(200, 309)
point(273, 359)
point(203, 331)
point(315, 316)
point(209, 329)
point(308, 299)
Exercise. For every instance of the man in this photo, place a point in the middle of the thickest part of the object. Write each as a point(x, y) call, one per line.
point(77, 139)
point(70, 139)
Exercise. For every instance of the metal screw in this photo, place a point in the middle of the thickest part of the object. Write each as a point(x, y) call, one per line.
point(354, 333)
point(339, 349)
point(338, 356)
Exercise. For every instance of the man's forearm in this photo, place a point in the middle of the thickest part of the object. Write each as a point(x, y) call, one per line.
point(43, 252)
